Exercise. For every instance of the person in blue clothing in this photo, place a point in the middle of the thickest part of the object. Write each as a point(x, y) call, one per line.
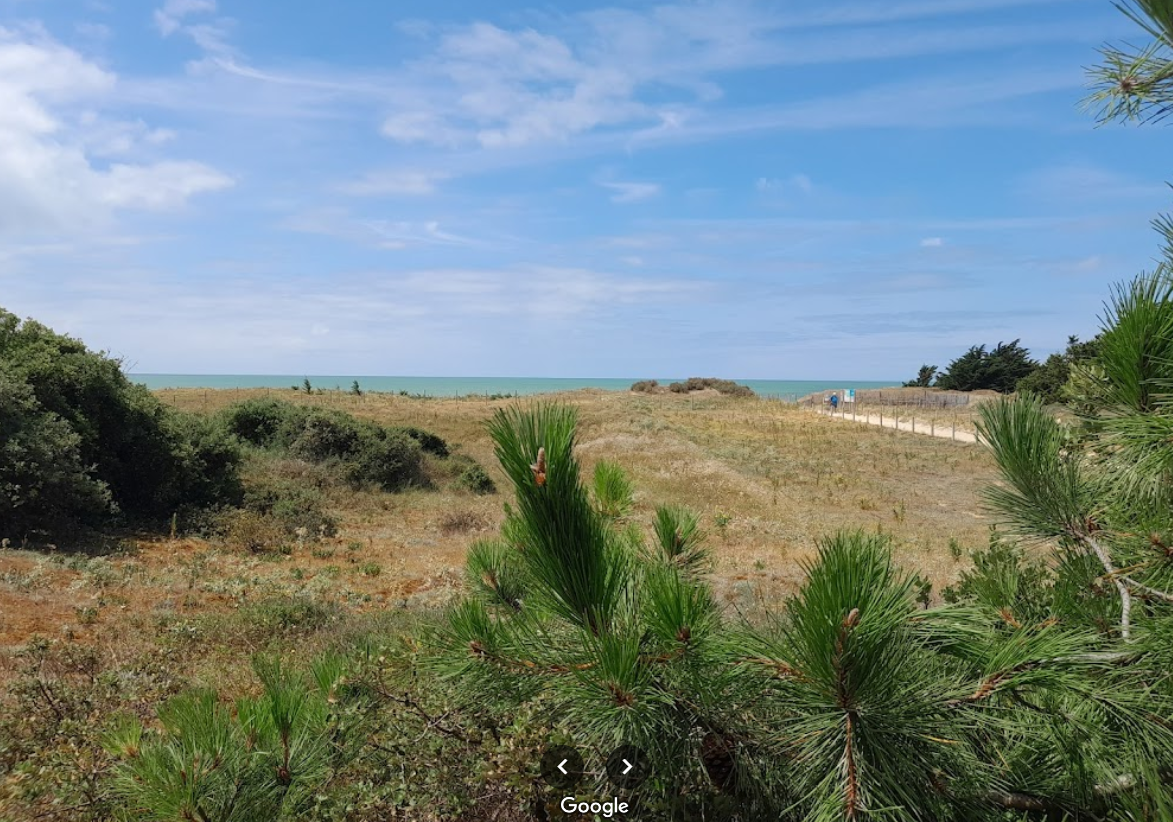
point(834, 402)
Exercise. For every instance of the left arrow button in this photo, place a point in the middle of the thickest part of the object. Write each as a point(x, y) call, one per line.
point(562, 766)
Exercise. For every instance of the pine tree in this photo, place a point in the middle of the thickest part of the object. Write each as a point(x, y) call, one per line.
point(851, 702)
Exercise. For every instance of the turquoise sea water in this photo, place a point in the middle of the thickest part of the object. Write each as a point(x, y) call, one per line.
point(465, 386)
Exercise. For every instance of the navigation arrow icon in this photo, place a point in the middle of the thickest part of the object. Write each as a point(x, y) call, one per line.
point(562, 767)
point(628, 767)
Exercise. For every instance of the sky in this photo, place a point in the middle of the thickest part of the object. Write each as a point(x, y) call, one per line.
point(771, 190)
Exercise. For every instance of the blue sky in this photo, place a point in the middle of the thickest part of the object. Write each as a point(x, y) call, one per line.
point(745, 189)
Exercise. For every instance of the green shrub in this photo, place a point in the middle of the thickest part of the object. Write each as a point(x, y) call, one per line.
point(293, 506)
point(287, 615)
point(390, 460)
point(680, 539)
point(59, 702)
point(265, 423)
point(330, 434)
point(477, 480)
point(43, 482)
point(152, 459)
point(429, 442)
point(851, 701)
point(208, 467)
point(367, 453)
point(645, 386)
point(726, 387)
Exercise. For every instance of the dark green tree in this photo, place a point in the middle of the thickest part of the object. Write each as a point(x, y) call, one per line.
point(998, 369)
point(924, 377)
point(1049, 380)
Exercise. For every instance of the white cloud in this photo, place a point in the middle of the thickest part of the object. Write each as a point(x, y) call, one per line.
point(509, 87)
point(169, 18)
point(394, 181)
point(52, 127)
point(797, 182)
point(161, 185)
point(391, 235)
point(632, 192)
point(932, 242)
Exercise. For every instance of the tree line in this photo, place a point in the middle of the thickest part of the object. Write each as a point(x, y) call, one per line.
point(1009, 368)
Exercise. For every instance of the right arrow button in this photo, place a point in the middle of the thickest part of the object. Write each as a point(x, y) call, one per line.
point(628, 767)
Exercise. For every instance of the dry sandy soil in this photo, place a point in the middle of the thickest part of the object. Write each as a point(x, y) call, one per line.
point(767, 479)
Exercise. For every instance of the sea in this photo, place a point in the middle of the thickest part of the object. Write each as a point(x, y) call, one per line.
point(478, 386)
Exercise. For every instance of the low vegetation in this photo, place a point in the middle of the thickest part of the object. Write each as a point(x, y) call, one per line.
point(726, 387)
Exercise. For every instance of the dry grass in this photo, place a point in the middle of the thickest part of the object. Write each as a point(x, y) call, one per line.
point(767, 480)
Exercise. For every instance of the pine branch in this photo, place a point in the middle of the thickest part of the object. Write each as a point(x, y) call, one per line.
point(852, 777)
point(1125, 594)
point(1145, 589)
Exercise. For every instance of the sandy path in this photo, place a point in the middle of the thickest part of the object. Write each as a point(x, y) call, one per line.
point(913, 426)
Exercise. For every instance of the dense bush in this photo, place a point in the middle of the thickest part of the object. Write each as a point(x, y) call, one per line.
point(388, 459)
point(429, 442)
point(265, 423)
point(645, 386)
point(151, 459)
point(367, 452)
point(43, 482)
point(476, 479)
point(727, 387)
point(1049, 379)
point(295, 507)
point(328, 435)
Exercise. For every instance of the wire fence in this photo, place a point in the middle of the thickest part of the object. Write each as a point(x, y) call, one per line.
point(944, 423)
point(896, 397)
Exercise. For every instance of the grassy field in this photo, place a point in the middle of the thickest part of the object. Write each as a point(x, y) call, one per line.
point(86, 636)
point(767, 479)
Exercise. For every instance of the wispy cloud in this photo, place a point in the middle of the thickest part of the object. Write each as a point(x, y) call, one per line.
point(932, 242)
point(170, 17)
point(631, 192)
point(391, 235)
point(394, 182)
